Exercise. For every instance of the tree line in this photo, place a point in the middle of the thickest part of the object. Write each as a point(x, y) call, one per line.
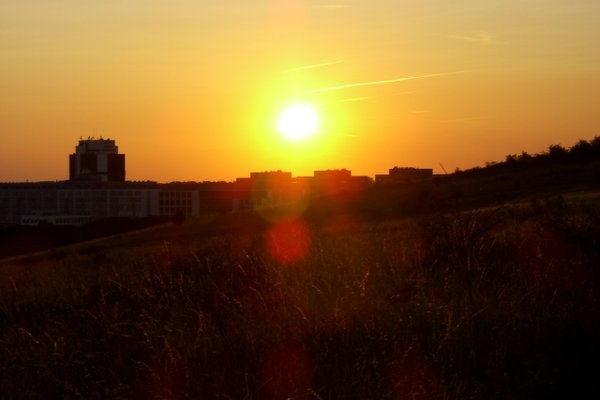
point(583, 151)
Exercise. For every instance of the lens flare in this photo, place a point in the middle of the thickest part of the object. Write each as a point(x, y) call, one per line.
point(288, 241)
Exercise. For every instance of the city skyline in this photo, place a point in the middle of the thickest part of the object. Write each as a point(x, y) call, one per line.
point(192, 91)
point(97, 189)
point(97, 161)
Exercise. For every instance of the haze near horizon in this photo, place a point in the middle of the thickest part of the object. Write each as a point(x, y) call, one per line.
point(194, 90)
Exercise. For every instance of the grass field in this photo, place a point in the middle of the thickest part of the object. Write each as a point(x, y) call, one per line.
point(494, 304)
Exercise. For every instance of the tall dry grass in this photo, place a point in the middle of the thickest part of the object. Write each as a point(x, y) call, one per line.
point(502, 303)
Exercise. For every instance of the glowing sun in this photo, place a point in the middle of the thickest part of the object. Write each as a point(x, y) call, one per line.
point(298, 122)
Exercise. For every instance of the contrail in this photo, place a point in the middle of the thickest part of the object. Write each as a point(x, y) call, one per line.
point(373, 97)
point(358, 99)
point(326, 64)
point(383, 82)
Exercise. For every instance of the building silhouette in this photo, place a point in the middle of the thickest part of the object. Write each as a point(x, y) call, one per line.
point(398, 176)
point(263, 189)
point(336, 181)
point(97, 160)
point(97, 189)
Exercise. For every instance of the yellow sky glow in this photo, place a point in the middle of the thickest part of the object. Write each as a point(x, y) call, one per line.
point(193, 90)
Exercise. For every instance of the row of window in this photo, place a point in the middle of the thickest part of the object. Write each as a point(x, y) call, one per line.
point(187, 211)
point(178, 202)
point(175, 195)
point(55, 221)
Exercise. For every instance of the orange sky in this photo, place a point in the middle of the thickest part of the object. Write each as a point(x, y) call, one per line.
point(191, 90)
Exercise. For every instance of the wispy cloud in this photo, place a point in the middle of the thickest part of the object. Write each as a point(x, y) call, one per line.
point(363, 98)
point(381, 82)
point(352, 99)
point(477, 37)
point(312, 66)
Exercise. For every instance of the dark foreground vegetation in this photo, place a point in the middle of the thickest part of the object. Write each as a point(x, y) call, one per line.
point(484, 284)
point(494, 304)
point(556, 170)
point(16, 239)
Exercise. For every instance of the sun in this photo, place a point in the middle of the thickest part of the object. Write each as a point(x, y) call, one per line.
point(298, 122)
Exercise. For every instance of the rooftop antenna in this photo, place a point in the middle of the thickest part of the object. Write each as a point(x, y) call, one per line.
point(443, 169)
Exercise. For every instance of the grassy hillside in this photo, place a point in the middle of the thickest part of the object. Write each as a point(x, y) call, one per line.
point(343, 302)
point(558, 171)
point(483, 284)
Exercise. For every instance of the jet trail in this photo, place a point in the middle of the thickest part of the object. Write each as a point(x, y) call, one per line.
point(358, 99)
point(382, 82)
point(303, 67)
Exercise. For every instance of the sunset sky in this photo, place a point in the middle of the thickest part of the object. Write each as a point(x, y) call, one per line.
point(192, 90)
